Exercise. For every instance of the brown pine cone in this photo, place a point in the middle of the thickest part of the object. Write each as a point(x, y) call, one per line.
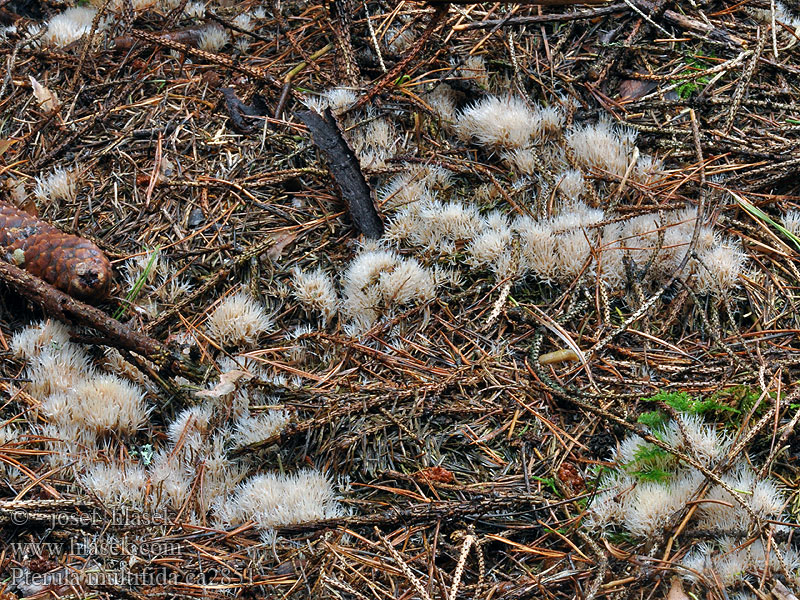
point(72, 264)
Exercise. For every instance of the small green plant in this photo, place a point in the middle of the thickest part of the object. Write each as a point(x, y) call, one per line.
point(137, 287)
point(620, 537)
point(647, 463)
point(742, 398)
point(759, 214)
point(549, 482)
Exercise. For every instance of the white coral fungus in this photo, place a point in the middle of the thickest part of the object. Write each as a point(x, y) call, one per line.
point(273, 500)
point(238, 320)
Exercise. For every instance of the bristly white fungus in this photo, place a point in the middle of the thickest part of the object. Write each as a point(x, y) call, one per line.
point(6, 31)
point(608, 506)
point(404, 190)
point(571, 184)
point(243, 21)
point(537, 247)
point(650, 487)
point(142, 269)
point(58, 369)
point(315, 291)
point(408, 282)
point(791, 221)
point(498, 122)
point(195, 10)
point(220, 475)
point(442, 101)
point(366, 268)
point(274, 500)
point(732, 564)
point(551, 122)
point(379, 134)
point(488, 246)
point(255, 429)
point(242, 44)
point(70, 25)
point(574, 249)
point(474, 69)
point(117, 485)
point(641, 238)
point(728, 561)
point(652, 504)
point(213, 38)
point(781, 14)
point(191, 427)
point(602, 146)
point(766, 499)
point(720, 267)
point(697, 562)
point(435, 226)
point(238, 320)
point(68, 444)
point(700, 440)
point(576, 215)
point(337, 99)
point(58, 185)
point(9, 472)
point(57, 408)
point(170, 481)
point(378, 279)
point(453, 221)
point(611, 266)
point(524, 160)
point(108, 403)
point(373, 143)
point(647, 169)
point(30, 341)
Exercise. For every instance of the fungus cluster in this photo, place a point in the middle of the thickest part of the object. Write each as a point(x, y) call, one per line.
point(562, 223)
point(649, 491)
point(91, 414)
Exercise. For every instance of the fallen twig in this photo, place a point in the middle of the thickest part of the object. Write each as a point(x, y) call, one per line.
point(69, 310)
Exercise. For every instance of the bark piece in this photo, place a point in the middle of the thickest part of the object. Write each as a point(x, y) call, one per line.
point(346, 171)
point(238, 110)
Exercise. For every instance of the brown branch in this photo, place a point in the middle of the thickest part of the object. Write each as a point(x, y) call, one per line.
point(69, 310)
point(431, 512)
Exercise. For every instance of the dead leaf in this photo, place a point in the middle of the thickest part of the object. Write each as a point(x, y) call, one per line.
point(676, 590)
point(281, 241)
point(227, 384)
point(46, 98)
point(633, 89)
point(5, 145)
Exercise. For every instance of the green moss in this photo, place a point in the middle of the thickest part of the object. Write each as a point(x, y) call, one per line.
point(683, 402)
point(652, 474)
